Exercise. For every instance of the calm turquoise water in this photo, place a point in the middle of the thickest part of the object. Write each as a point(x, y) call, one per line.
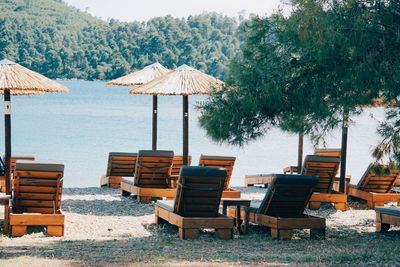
point(80, 128)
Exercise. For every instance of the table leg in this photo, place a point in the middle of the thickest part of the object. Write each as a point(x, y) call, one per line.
point(224, 208)
point(6, 218)
point(246, 219)
point(238, 222)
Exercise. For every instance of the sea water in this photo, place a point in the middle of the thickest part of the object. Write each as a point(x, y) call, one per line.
point(80, 128)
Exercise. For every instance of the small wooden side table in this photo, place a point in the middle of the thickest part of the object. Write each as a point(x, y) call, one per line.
point(238, 202)
point(5, 201)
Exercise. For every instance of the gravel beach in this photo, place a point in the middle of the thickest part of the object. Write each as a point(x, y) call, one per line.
point(104, 229)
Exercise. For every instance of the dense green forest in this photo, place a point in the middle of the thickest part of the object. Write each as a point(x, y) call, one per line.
point(61, 41)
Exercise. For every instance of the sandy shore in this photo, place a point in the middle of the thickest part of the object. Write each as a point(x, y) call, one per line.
point(102, 229)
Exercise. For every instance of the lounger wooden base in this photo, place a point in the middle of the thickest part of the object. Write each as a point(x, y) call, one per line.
point(145, 194)
point(111, 181)
point(20, 222)
point(385, 219)
point(374, 199)
point(338, 200)
point(282, 228)
point(189, 226)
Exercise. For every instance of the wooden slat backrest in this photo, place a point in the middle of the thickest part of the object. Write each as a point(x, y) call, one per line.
point(153, 168)
point(121, 164)
point(199, 191)
point(377, 184)
point(325, 167)
point(332, 152)
point(37, 188)
point(288, 195)
point(177, 163)
point(219, 162)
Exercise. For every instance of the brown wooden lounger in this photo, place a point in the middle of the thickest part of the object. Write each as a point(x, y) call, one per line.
point(222, 162)
point(36, 198)
point(152, 175)
point(376, 190)
point(13, 161)
point(333, 152)
point(177, 164)
point(385, 217)
point(120, 164)
point(196, 204)
point(283, 205)
point(325, 167)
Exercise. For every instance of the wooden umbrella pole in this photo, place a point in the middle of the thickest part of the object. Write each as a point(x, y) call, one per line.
point(185, 102)
point(300, 153)
point(155, 111)
point(7, 135)
point(343, 156)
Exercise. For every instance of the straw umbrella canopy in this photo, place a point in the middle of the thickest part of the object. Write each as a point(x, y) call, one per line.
point(18, 80)
point(182, 81)
point(141, 77)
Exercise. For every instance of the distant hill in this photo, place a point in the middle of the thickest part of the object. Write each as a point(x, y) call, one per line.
point(60, 41)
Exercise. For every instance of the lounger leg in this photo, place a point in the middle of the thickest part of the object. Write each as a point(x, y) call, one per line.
point(224, 233)
point(159, 220)
point(381, 227)
point(314, 205)
point(18, 230)
point(341, 206)
point(188, 233)
point(317, 233)
point(144, 200)
point(125, 193)
point(281, 234)
point(55, 230)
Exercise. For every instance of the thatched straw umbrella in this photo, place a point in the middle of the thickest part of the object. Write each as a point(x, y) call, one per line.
point(183, 81)
point(141, 77)
point(18, 80)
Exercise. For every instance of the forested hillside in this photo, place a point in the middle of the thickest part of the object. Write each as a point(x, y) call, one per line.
point(60, 41)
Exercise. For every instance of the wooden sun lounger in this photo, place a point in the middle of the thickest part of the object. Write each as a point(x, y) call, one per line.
point(120, 164)
point(283, 205)
point(177, 163)
point(333, 152)
point(13, 161)
point(222, 162)
point(325, 167)
point(385, 217)
point(196, 204)
point(36, 198)
point(152, 175)
point(376, 190)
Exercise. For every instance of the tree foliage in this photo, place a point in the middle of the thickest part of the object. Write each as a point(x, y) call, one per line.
point(60, 41)
point(301, 72)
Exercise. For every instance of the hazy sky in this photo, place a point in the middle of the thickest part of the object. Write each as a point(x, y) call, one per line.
point(129, 10)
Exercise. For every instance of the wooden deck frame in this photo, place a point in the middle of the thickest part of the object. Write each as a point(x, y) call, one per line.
point(374, 199)
point(20, 222)
point(189, 226)
point(146, 194)
point(282, 228)
point(384, 221)
point(338, 200)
